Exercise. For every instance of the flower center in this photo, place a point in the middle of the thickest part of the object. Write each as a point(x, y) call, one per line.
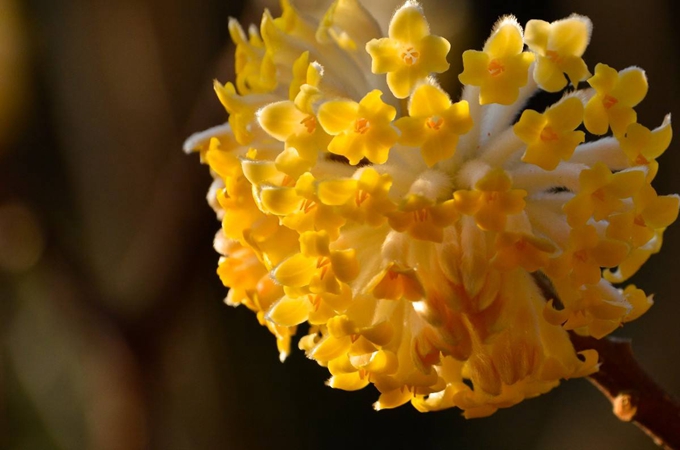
point(548, 134)
point(310, 124)
point(307, 206)
point(639, 220)
point(641, 160)
point(581, 255)
point(361, 125)
point(608, 101)
point(521, 244)
point(410, 56)
point(599, 194)
point(553, 56)
point(420, 215)
point(361, 196)
point(495, 68)
point(435, 122)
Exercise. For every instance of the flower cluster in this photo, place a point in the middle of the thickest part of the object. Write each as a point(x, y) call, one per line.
point(414, 234)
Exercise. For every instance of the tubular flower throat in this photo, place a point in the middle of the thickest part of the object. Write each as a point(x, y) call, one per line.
point(415, 235)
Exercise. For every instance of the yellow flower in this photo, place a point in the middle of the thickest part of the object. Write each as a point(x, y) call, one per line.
point(515, 249)
point(601, 193)
point(434, 123)
point(491, 201)
point(550, 137)
point(641, 225)
point(294, 122)
point(422, 219)
point(501, 68)
point(643, 146)
point(410, 53)
point(411, 246)
point(616, 95)
point(586, 254)
point(360, 130)
point(559, 47)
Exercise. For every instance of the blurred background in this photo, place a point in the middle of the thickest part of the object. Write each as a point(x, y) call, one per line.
point(113, 334)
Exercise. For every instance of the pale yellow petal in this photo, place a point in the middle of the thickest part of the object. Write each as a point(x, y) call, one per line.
point(548, 75)
point(337, 116)
point(296, 271)
point(566, 115)
point(536, 35)
point(408, 25)
point(280, 119)
point(595, 116)
point(428, 100)
point(570, 36)
point(632, 86)
point(289, 311)
point(433, 51)
point(529, 126)
point(385, 54)
point(506, 39)
point(348, 381)
point(605, 78)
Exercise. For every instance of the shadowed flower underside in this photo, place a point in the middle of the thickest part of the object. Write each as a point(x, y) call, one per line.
point(408, 230)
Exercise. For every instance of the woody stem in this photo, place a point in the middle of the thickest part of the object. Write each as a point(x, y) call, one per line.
point(634, 395)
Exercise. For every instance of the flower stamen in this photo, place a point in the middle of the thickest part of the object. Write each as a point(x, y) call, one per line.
point(361, 196)
point(549, 135)
point(361, 125)
point(315, 300)
point(495, 68)
point(435, 122)
point(581, 255)
point(553, 56)
point(310, 123)
point(410, 56)
point(608, 101)
point(307, 205)
point(420, 215)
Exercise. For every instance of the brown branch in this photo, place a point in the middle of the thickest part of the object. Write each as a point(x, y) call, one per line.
point(634, 395)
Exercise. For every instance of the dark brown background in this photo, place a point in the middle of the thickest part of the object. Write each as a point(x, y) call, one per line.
point(113, 334)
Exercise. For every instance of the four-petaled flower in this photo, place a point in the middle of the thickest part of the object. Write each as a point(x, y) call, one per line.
point(422, 218)
point(586, 255)
point(434, 123)
point(601, 193)
point(550, 137)
point(651, 213)
point(360, 130)
point(559, 46)
point(616, 95)
point(410, 53)
point(642, 146)
point(501, 68)
point(491, 201)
